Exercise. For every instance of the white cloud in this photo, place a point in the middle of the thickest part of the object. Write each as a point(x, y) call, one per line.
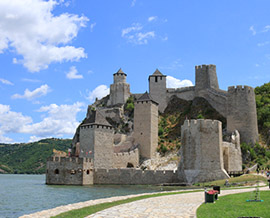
point(61, 119)
point(6, 82)
point(31, 80)
point(11, 122)
point(30, 95)
point(133, 3)
point(133, 34)
point(73, 73)
point(177, 83)
point(99, 92)
point(164, 38)
point(34, 138)
point(266, 29)
point(135, 27)
point(253, 31)
point(92, 25)
point(153, 18)
point(263, 43)
point(58, 120)
point(38, 35)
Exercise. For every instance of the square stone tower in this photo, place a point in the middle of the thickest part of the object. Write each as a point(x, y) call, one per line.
point(96, 140)
point(119, 90)
point(158, 90)
point(201, 152)
point(146, 125)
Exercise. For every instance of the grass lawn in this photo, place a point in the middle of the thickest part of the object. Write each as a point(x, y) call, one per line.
point(233, 206)
point(244, 180)
point(83, 212)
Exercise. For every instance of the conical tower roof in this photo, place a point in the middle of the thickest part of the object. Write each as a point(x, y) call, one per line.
point(97, 117)
point(121, 72)
point(157, 73)
point(146, 97)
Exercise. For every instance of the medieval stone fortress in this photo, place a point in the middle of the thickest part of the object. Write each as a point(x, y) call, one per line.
point(101, 156)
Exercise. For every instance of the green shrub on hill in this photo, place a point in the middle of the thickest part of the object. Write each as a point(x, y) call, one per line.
point(30, 158)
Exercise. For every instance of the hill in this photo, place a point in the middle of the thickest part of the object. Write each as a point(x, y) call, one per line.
point(29, 158)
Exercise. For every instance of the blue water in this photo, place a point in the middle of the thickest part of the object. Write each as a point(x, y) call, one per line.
point(25, 194)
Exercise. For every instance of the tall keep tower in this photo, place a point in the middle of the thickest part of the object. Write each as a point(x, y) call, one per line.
point(206, 77)
point(146, 125)
point(96, 140)
point(242, 113)
point(157, 89)
point(119, 90)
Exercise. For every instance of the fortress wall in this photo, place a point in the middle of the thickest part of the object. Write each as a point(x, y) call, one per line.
point(69, 171)
point(217, 99)
point(242, 114)
point(103, 150)
point(86, 140)
point(186, 93)
point(119, 93)
point(134, 176)
point(121, 160)
point(146, 127)
point(233, 157)
point(201, 152)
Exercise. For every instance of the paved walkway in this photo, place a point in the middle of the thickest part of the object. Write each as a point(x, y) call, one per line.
point(179, 205)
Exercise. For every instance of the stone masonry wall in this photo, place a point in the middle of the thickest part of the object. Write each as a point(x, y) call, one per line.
point(69, 171)
point(201, 152)
point(86, 139)
point(233, 157)
point(103, 152)
point(134, 177)
point(122, 159)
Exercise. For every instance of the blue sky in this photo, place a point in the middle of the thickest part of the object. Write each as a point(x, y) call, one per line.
point(57, 56)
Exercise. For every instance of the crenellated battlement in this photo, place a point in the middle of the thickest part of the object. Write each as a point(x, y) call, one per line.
point(79, 160)
point(93, 125)
point(206, 77)
point(130, 153)
point(201, 123)
point(205, 67)
point(164, 172)
point(240, 88)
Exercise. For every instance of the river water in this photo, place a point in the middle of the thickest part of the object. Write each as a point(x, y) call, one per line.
point(25, 194)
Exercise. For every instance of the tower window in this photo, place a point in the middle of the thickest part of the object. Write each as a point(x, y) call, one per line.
point(156, 79)
point(56, 171)
point(130, 165)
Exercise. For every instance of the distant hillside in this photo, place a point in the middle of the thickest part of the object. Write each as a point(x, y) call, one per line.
point(29, 158)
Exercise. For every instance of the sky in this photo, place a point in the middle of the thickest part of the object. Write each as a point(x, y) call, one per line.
point(57, 56)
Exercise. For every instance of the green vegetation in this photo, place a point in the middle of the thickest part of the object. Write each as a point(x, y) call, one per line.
point(263, 110)
point(83, 212)
point(236, 206)
point(176, 113)
point(29, 158)
point(244, 180)
point(129, 107)
point(255, 154)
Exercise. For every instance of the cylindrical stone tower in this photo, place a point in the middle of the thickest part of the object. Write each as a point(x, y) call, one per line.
point(242, 113)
